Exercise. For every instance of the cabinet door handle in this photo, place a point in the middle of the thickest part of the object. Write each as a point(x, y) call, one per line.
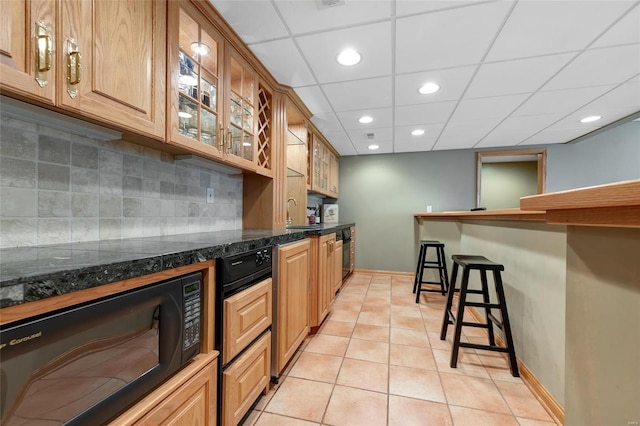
point(229, 137)
point(74, 67)
point(43, 53)
point(221, 136)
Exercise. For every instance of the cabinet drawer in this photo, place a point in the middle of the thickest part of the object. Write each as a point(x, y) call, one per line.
point(246, 315)
point(243, 380)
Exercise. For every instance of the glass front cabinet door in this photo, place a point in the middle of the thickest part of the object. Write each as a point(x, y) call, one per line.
point(240, 144)
point(195, 82)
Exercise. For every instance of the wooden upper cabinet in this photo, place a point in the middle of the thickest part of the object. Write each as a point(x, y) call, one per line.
point(195, 81)
point(112, 62)
point(324, 165)
point(241, 97)
point(27, 43)
point(334, 166)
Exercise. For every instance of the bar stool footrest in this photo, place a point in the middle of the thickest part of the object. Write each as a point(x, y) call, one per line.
point(484, 347)
point(483, 305)
point(475, 324)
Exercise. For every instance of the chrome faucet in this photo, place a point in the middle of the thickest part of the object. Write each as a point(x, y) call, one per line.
point(289, 220)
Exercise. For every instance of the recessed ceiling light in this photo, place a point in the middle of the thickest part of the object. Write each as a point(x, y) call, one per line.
point(591, 118)
point(349, 57)
point(428, 88)
point(417, 132)
point(183, 114)
point(365, 119)
point(200, 48)
point(373, 147)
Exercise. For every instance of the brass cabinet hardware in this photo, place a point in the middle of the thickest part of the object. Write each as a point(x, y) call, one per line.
point(74, 67)
point(43, 53)
point(229, 138)
point(221, 137)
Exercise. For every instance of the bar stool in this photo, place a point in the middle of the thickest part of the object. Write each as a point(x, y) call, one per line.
point(440, 264)
point(482, 264)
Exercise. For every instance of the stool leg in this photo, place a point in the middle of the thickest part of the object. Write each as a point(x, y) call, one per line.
point(459, 318)
point(487, 311)
point(423, 258)
point(444, 269)
point(505, 323)
point(419, 267)
point(440, 263)
point(447, 309)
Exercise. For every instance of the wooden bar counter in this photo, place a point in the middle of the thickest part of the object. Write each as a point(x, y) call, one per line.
point(572, 283)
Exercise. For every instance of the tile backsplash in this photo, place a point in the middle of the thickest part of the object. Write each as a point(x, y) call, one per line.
point(58, 187)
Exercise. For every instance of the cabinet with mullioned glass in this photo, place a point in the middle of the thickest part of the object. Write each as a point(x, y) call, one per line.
point(195, 55)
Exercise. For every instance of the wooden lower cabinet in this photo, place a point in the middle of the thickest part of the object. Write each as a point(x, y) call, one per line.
point(188, 398)
point(246, 315)
point(322, 278)
point(292, 299)
point(245, 379)
point(337, 269)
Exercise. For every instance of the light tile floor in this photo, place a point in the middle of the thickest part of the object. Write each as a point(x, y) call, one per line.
point(378, 360)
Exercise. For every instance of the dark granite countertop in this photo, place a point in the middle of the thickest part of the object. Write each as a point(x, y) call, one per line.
point(33, 273)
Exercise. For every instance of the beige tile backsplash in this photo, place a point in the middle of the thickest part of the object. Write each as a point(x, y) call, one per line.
point(58, 187)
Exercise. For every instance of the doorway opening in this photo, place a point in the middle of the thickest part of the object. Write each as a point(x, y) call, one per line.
point(503, 177)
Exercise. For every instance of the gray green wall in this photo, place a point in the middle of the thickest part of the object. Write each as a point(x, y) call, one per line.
point(607, 157)
point(381, 193)
point(503, 184)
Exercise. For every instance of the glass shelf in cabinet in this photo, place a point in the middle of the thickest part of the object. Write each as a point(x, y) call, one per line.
point(293, 139)
point(293, 173)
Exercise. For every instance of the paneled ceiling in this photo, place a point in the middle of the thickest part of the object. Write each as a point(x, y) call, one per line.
point(511, 73)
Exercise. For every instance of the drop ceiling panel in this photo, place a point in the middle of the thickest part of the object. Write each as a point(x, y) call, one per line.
point(373, 42)
point(341, 142)
point(285, 62)
point(424, 113)
point(516, 76)
point(452, 84)
point(449, 38)
point(410, 7)
point(543, 27)
point(516, 129)
point(382, 117)
point(458, 135)
point(625, 95)
point(494, 107)
point(627, 30)
point(305, 16)
point(612, 65)
point(406, 142)
point(559, 101)
point(314, 99)
point(255, 21)
point(327, 122)
point(552, 136)
point(361, 94)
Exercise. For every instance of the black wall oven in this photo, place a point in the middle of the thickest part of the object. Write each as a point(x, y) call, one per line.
point(87, 363)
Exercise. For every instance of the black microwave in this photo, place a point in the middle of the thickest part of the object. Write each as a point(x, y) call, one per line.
point(87, 363)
